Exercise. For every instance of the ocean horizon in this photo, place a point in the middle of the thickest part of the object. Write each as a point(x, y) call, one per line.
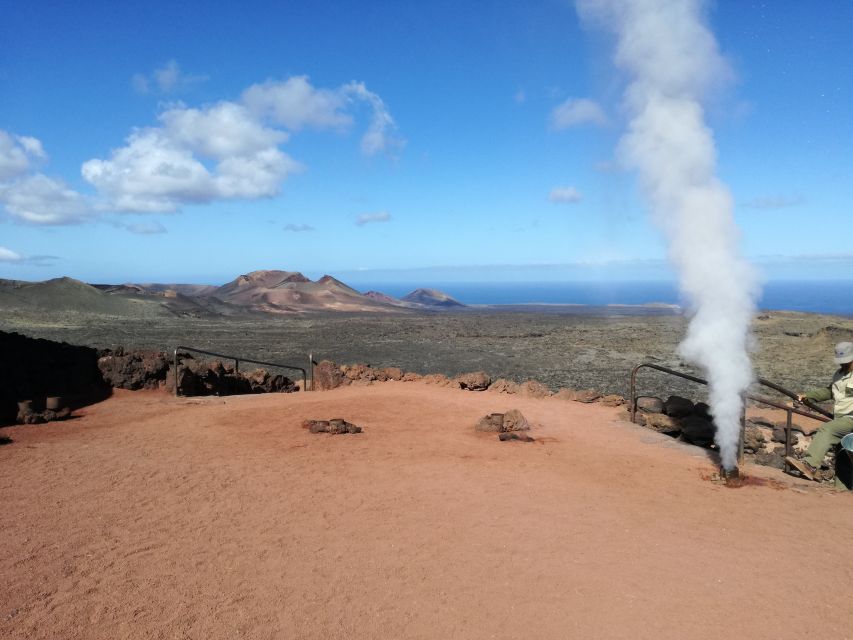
point(820, 296)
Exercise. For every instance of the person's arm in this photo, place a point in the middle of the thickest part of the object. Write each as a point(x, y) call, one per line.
point(817, 395)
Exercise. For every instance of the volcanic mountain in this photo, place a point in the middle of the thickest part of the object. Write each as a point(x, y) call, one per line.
point(432, 298)
point(290, 291)
point(269, 291)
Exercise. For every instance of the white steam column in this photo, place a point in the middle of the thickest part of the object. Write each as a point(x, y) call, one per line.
point(672, 60)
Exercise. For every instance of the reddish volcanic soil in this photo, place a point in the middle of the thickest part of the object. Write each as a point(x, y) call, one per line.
point(155, 517)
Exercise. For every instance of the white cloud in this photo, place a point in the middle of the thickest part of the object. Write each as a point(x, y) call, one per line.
point(38, 199)
point(565, 195)
point(295, 104)
point(227, 150)
point(167, 79)
point(17, 154)
point(774, 202)
point(369, 218)
point(298, 228)
point(577, 111)
point(380, 134)
point(162, 168)
point(7, 255)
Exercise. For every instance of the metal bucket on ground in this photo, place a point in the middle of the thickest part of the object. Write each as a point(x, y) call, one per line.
point(847, 444)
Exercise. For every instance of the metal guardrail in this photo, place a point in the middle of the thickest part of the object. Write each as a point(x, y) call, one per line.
point(237, 360)
point(817, 413)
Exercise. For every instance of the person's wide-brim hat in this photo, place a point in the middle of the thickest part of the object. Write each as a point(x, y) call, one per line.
point(843, 352)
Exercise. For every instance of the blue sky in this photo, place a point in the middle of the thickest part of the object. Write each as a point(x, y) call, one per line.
point(191, 142)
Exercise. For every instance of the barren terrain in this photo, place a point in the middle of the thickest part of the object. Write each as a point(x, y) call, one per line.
point(156, 517)
point(576, 347)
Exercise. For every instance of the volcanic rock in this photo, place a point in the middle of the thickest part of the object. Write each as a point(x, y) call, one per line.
point(753, 440)
point(513, 420)
point(393, 373)
point(588, 396)
point(770, 459)
point(703, 410)
point(135, 369)
point(475, 381)
point(504, 437)
point(439, 379)
point(327, 376)
point(678, 407)
point(650, 404)
point(502, 385)
point(534, 389)
point(492, 423)
point(661, 423)
point(612, 400)
point(697, 430)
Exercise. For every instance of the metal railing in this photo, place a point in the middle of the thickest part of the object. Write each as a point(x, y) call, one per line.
point(816, 413)
point(237, 360)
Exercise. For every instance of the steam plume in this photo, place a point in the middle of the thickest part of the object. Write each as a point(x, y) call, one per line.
point(672, 61)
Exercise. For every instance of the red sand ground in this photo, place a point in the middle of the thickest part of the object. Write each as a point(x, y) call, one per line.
point(156, 517)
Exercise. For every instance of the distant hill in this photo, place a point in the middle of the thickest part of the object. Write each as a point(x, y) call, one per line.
point(67, 294)
point(289, 291)
point(432, 298)
point(268, 291)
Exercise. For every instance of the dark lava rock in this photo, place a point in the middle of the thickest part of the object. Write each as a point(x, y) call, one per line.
point(504, 437)
point(492, 423)
point(474, 381)
point(779, 435)
point(199, 378)
point(678, 407)
point(335, 426)
point(697, 431)
point(135, 369)
point(774, 459)
point(650, 404)
point(316, 426)
point(703, 410)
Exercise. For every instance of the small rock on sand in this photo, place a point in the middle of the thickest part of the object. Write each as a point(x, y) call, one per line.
point(503, 437)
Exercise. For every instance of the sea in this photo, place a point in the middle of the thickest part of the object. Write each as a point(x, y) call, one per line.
point(830, 297)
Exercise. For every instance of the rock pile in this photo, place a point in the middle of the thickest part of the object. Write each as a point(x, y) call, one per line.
point(692, 422)
point(52, 410)
point(335, 426)
point(133, 369)
point(200, 378)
